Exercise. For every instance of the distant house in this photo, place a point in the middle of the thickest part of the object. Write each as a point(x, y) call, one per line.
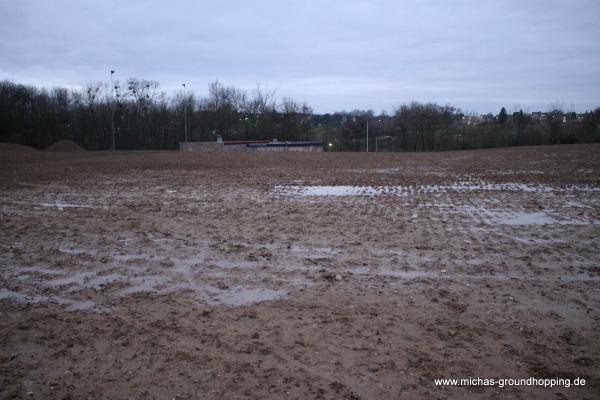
point(287, 146)
point(489, 117)
point(249, 145)
point(470, 120)
point(539, 116)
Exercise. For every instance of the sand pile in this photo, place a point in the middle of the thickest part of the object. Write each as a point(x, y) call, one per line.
point(13, 147)
point(66, 145)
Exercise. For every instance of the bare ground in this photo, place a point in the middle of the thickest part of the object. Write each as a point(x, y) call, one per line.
point(170, 275)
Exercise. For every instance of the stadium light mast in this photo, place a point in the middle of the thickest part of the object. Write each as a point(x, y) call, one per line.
point(184, 113)
point(376, 137)
point(112, 109)
point(367, 135)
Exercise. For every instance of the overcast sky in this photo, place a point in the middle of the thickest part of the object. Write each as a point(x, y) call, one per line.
point(335, 55)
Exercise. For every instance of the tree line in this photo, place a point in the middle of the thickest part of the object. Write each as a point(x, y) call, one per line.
point(146, 118)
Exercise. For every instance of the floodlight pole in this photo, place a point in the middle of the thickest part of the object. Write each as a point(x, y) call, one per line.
point(376, 137)
point(367, 135)
point(112, 110)
point(184, 113)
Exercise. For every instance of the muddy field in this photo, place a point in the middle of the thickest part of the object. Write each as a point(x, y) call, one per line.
point(327, 276)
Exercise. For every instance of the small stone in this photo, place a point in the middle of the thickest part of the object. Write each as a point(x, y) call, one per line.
point(167, 263)
point(206, 313)
point(372, 369)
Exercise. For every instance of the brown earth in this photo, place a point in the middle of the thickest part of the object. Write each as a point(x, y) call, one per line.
point(16, 148)
point(65, 145)
point(209, 276)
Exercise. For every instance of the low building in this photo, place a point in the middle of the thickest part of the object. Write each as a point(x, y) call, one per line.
point(287, 146)
point(469, 120)
point(201, 147)
point(250, 145)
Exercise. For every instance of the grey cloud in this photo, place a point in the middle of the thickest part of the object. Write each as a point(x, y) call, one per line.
point(333, 54)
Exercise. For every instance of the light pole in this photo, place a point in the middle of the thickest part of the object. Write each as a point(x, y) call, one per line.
point(112, 110)
point(184, 113)
point(367, 135)
point(376, 137)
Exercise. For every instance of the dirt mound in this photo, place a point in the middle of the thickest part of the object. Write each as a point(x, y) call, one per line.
point(13, 147)
point(65, 145)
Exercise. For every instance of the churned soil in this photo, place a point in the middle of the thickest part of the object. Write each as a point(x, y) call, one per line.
point(154, 275)
point(65, 145)
point(16, 148)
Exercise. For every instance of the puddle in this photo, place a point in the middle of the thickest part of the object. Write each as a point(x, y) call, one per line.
point(231, 264)
point(6, 294)
point(498, 216)
point(78, 305)
point(313, 251)
point(69, 304)
point(39, 270)
point(392, 272)
point(536, 241)
point(85, 280)
point(99, 281)
point(520, 218)
point(366, 272)
point(233, 296)
point(140, 284)
point(503, 217)
point(62, 206)
point(76, 278)
point(512, 172)
point(333, 191)
point(239, 295)
point(74, 251)
point(133, 257)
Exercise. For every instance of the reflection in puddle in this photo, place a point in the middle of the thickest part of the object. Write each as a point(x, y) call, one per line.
point(341, 190)
point(69, 304)
point(239, 295)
